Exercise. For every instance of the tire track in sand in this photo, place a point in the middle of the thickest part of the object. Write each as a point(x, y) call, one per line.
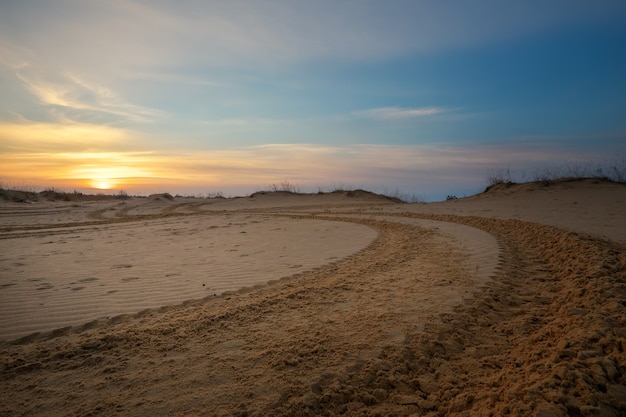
point(245, 351)
point(545, 337)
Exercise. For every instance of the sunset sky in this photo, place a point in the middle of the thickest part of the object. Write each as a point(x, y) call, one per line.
point(194, 97)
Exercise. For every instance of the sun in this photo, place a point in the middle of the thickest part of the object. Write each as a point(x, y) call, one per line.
point(102, 183)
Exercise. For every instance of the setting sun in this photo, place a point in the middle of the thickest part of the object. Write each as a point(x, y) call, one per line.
point(102, 183)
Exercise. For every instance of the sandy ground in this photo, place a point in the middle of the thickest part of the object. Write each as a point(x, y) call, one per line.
point(511, 302)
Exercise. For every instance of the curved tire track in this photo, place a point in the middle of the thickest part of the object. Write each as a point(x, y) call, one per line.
point(545, 337)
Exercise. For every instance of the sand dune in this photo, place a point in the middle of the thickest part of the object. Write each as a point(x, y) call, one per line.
point(512, 302)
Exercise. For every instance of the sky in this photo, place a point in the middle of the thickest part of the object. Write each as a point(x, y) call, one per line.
point(423, 97)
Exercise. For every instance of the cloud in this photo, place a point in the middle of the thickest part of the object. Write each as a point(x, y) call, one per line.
point(285, 31)
point(234, 122)
point(82, 98)
point(394, 113)
point(76, 169)
point(92, 60)
point(109, 36)
point(28, 136)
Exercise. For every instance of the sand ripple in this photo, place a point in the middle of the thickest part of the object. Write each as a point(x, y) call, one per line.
point(68, 276)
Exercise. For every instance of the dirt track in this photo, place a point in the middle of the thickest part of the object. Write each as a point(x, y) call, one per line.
point(403, 327)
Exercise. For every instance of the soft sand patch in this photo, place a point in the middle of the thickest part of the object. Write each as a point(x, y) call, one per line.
point(66, 277)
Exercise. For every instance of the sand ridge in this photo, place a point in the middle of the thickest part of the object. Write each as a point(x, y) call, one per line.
point(407, 325)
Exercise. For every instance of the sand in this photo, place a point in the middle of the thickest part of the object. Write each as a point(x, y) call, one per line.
point(65, 277)
point(511, 302)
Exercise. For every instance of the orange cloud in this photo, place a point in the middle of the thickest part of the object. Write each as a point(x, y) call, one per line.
point(39, 136)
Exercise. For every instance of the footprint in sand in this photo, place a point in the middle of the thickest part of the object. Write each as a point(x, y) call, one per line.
point(44, 286)
point(121, 266)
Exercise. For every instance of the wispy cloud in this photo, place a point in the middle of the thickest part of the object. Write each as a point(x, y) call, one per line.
point(76, 94)
point(232, 122)
point(218, 33)
point(164, 77)
point(29, 136)
point(395, 113)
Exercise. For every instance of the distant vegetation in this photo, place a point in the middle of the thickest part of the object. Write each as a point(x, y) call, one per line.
point(285, 187)
point(27, 194)
point(289, 187)
point(499, 176)
point(613, 172)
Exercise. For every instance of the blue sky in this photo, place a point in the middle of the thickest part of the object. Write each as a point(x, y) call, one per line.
point(424, 97)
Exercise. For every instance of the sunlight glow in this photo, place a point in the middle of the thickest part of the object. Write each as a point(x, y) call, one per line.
point(102, 183)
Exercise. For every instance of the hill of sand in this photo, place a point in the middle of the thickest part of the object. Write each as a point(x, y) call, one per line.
point(510, 302)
